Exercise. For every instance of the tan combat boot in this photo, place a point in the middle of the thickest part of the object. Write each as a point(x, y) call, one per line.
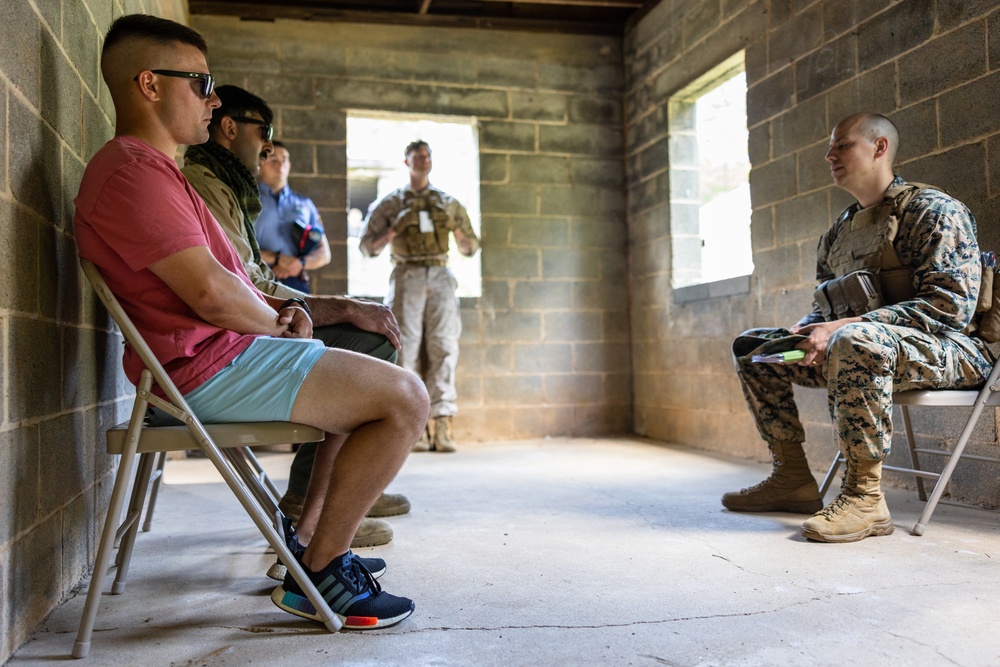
point(372, 533)
point(442, 435)
point(790, 488)
point(389, 504)
point(291, 506)
point(423, 443)
point(858, 512)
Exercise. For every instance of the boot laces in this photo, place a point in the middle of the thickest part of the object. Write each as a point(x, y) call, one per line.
point(842, 504)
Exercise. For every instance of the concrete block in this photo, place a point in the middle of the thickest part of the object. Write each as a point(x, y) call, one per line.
point(570, 263)
point(73, 168)
point(545, 358)
point(37, 585)
point(539, 232)
point(571, 200)
point(512, 390)
point(35, 181)
point(601, 420)
point(778, 268)
point(541, 295)
point(495, 231)
point(299, 56)
point(32, 361)
point(282, 90)
point(572, 326)
point(327, 192)
point(812, 168)
point(603, 78)
point(472, 324)
point(79, 539)
point(993, 30)
point(509, 199)
point(19, 472)
point(954, 13)
point(249, 53)
point(586, 171)
point(399, 65)
point(500, 136)
point(804, 218)
point(803, 125)
point(496, 295)
point(943, 63)
point(506, 72)
point(312, 125)
point(91, 360)
point(411, 97)
point(469, 389)
point(917, 130)
point(511, 263)
point(539, 169)
point(539, 106)
point(768, 97)
point(66, 459)
point(479, 358)
point(773, 182)
point(513, 327)
point(874, 91)
point(98, 127)
point(701, 20)
point(759, 144)
point(762, 234)
point(755, 60)
point(652, 125)
point(599, 234)
point(3, 144)
point(81, 39)
point(903, 26)
point(61, 95)
point(958, 124)
point(825, 67)
point(801, 34)
point(572, 389)
point(601, 358)
point(839, 16)
point(961, 171)
point(19, 245)
point(599, 295)
point(493, 168)
point(581, 139)
point(676, 150)
point(331, 160)
point(603, 110)
point(781, 11)
point(618, 390)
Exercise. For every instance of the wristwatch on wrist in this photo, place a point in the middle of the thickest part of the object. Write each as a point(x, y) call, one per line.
point(301, 303)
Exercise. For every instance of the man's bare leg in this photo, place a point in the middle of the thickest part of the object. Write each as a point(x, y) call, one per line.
point(381, 408)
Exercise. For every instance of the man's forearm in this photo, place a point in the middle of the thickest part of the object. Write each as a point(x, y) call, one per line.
point(327, 310)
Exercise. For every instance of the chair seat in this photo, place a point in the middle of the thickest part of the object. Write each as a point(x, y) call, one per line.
point(248, 434)
point(943, 397)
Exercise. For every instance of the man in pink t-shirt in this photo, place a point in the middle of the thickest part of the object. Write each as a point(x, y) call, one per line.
point(218, 337)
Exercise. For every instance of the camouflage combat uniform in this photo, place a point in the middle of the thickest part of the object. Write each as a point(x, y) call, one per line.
point(421, 288)
point(913, 344)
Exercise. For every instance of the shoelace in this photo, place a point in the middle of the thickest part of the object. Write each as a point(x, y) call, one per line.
point(356, 572)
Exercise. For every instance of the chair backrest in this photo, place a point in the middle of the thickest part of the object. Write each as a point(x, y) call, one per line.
point(132, 335)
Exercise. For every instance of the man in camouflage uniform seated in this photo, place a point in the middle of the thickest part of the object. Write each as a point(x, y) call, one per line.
point(920, 244)
point(418, 220)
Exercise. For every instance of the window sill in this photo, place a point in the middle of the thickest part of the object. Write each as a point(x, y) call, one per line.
point(716, 290)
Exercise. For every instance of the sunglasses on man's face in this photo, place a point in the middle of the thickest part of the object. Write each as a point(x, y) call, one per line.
point(207, 80)
point(266, 129)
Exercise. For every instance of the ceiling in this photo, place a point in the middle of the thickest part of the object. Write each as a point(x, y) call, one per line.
point(598, 17)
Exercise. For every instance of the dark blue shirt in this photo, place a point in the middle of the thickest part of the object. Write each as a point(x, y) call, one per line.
point(276, 225)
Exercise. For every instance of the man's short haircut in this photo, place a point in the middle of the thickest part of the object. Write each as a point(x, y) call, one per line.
point(416, 145)
point(238, 102)
point(874, 125)
point(278, 144)
point(151, 28)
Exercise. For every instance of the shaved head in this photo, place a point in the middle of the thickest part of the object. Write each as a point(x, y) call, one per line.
point(138, 41)
point(872, 126)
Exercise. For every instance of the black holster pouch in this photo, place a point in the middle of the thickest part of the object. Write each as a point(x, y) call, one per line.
point(852, 295)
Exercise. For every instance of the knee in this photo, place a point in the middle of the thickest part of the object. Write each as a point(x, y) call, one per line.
point(851, 340)
point(412, 397)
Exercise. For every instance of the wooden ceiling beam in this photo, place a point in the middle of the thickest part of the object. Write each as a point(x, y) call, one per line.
point(614, 4)
point(424, 6)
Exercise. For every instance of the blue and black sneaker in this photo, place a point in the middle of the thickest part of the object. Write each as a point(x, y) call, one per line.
point(278, 570)
point(352, 593)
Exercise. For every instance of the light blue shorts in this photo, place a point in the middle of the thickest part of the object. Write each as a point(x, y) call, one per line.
point(259, 385)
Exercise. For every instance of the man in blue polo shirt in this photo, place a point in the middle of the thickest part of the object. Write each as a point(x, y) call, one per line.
point(289, 229)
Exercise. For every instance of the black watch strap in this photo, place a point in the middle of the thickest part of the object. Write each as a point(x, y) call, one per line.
point(296, 302)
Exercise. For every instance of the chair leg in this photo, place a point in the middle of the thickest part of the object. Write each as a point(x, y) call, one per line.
point(912, 444)
point(831, 474)
point(155, 491)
point(81, 647)
point(134, 511)
point(264, 478)
point(237, 458)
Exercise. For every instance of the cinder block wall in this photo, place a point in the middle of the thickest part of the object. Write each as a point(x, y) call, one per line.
point(931, 66)
point(60, 358)
point(545, 350)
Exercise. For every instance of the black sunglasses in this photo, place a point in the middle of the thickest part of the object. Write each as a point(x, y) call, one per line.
point(207, 80)
point(266, 129)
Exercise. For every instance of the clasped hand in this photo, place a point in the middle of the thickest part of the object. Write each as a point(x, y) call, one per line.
point(818, 338)
point(296, 321)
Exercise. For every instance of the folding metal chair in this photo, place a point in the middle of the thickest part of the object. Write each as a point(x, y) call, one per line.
point(226, 445)
point(978, 400)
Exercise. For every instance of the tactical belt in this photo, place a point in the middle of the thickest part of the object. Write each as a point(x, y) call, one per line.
point(423, 262)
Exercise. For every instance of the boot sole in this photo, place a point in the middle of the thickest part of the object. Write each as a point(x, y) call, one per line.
point(793, 506)
point(879, 529)
point(391, 511)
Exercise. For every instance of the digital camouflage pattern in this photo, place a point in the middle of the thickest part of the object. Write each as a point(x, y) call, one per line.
point(915, 344)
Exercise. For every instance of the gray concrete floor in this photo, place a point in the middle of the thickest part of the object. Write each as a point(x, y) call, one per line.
point(561, 552)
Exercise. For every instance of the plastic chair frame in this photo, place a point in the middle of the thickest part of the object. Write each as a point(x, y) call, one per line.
point(979, 400)
point(245, 483)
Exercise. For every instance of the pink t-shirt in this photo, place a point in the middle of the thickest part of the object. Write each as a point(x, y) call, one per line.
point(133, 209)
